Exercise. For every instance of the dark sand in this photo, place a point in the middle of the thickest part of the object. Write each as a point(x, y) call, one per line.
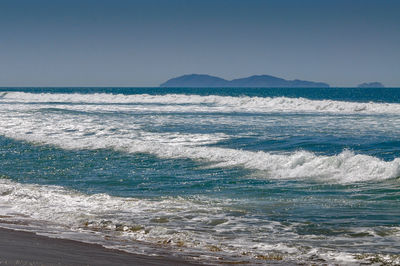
point(24, 248)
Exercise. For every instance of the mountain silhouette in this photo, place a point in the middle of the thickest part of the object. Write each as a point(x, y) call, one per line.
point(267, 81)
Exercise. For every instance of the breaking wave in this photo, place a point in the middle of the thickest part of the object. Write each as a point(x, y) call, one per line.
point(212, 103)
point(343, 168)
point(81, 131)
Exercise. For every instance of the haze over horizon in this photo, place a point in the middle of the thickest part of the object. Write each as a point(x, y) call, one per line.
point(146, 42)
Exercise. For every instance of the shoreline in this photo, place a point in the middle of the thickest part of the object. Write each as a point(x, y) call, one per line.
point(27, 248)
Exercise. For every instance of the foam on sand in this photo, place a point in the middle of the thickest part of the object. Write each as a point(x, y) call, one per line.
point(192, 226)
point(124, 219)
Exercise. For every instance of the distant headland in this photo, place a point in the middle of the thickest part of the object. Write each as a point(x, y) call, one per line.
point(371, 85)
point(267, 81)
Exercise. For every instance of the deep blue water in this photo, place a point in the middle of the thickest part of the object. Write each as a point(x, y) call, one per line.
point(258, 175)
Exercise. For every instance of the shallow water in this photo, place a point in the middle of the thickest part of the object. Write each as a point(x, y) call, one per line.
point(256, 175)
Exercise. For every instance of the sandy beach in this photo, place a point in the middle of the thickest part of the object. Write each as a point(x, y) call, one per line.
point(25, 248)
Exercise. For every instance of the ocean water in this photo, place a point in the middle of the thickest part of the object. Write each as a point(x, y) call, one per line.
point(256, 176)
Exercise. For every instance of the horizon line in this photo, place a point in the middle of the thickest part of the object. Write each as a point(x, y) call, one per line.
point(204, 87)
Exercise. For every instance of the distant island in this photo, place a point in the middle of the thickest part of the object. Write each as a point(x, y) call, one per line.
point(371, 85)
point(259, 81)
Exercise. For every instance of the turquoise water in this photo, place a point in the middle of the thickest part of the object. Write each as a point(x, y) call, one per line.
point(216, 175)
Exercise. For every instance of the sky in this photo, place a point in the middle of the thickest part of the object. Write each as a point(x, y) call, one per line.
point(145, 42)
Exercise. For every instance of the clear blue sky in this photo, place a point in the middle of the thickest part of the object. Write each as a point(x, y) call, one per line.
point(145, 42)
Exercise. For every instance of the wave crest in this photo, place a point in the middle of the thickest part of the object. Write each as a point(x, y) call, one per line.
point(212, 103)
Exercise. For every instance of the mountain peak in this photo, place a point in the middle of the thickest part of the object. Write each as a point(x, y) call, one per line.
point(195, 80)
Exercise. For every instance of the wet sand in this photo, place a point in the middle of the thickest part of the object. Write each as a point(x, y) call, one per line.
point(25, 248)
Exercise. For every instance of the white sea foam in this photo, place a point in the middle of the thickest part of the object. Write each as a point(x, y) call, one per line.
point(180, 222)
point(212, 103)
point(344, 167)
point(194, 225)
point(186, 223)
point(127, 134)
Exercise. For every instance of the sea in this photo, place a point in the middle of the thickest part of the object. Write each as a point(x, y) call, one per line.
point(212, 175)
